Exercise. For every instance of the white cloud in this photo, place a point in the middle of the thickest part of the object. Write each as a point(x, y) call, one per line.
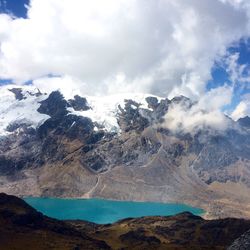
point(66, 84)
point(162, 47)
point(206, 113)
point(242, 109)
point(238, 74)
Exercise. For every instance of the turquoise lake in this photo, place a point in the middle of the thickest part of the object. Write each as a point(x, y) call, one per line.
point(104, 211)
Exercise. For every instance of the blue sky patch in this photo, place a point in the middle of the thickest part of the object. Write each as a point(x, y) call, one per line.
point(14, 7)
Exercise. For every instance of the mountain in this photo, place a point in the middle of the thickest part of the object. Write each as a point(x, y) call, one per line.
point(245, 122)
point(22, 227)
point(121, 147)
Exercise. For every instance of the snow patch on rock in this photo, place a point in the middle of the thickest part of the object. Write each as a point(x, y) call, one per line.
point(23, 111)
point(104, 109)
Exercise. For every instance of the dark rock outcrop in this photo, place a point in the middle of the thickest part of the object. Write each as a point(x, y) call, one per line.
point(18, 93)
point(242, 243)
point(130, 117)
point(55, 105)
point(152, 102)
point(244, 122)
point(79, 103)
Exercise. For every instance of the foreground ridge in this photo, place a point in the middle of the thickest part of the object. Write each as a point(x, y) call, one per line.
point(22, 227)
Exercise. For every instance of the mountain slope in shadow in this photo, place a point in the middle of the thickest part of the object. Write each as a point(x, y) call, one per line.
point(22, 227)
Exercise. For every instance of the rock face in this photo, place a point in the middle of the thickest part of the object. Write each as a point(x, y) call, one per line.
point(71, 152)
point(55, 105)
point(22, 227)
point(243, 242)
point(79, 103)
point(245, 122)
point(18, 93)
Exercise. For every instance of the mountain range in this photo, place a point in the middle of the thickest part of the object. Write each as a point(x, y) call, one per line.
point(122, 147)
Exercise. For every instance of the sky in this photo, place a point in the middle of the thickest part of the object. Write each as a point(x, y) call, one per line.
point(200, 49)
point(14, 7)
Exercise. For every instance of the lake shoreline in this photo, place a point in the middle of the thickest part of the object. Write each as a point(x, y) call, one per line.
point(103, 211)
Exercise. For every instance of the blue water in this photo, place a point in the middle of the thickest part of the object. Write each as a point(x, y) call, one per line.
point(104, 211)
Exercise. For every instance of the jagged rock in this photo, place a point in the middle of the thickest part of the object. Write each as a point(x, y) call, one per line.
point(71, 126)
point(183, 100)
point(79, 103)
point(161, 110)
point(19, 125)
point(18, 93)
point(37, 93)
point(130, 117)
point(152, 102)
point(55, 105)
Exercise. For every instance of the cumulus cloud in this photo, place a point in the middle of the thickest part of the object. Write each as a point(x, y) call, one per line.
point(67, 85)
point(161, 47)
point(238, 74)
point(242, 109)
point(203, 114)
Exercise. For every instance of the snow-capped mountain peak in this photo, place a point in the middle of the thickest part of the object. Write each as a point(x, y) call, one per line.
point(19, 104)
point(105, 109)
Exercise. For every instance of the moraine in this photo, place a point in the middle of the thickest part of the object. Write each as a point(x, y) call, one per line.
point(103, 211)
